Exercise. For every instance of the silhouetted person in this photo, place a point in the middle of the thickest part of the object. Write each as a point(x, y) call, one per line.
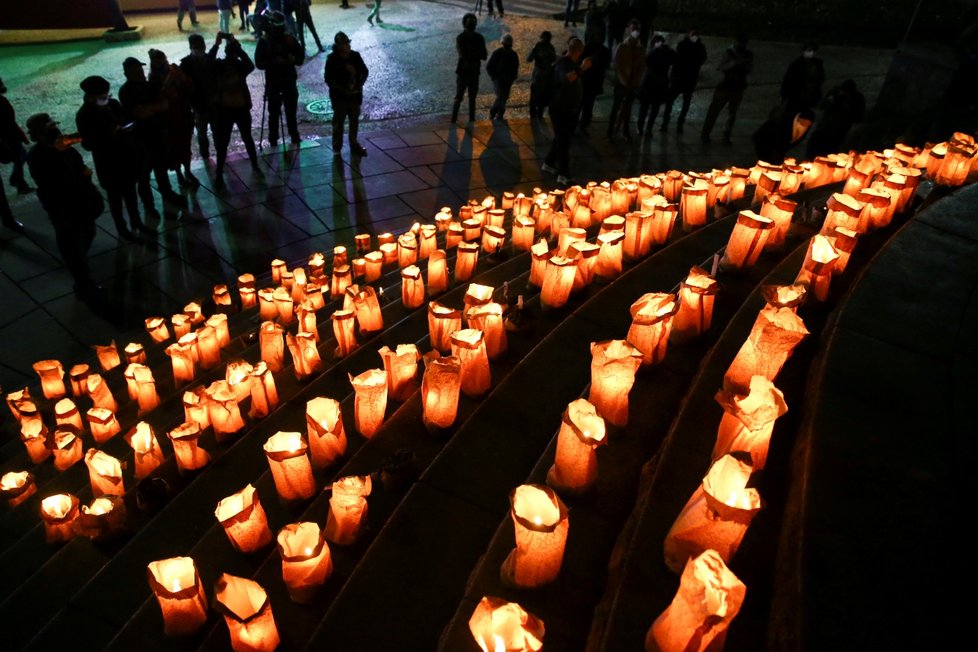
point(655, 83)
point(565, 106)
point(375, 14)
point(185, 7)
point(471, 48)
point(303, 19)
point(244, 7)
point(499, 8)
point(616, 20)
point(629, 68)
point(232, 103)
point(12, 140)
point(842, 107)
point(801, 87)
point(199, 68)
point(66, 191)
point(593, 78)
point(345, 74)
point(690, 57)
point(145, 106)
point(780, 133)
point(176, 88)
point(106, 133)
point(594, 22)
point(224, 10)
point(570, 12)
point(736, 64)
point(503, 68)
point(543, 56)
point(278, 53)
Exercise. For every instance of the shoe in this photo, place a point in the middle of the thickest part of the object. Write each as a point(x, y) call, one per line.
point(14, 225)
point(562, 180)
point(371, 22)
point(548, 168)
point(358, 150)
point(321, 49)
point(379, 21)
point(195, 23)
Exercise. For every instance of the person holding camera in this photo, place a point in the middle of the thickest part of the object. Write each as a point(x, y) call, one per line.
point(278, 53)
point(345, 74)
point(232, 102)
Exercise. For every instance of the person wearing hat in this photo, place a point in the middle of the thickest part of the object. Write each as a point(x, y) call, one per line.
point(66, 191)
point(503, 68)
point(199, 68)
point(102, 125)
point(801, 88)
point(278, 53)
point(543, 56)
point(146, 109)
point(232, 102)
point(345, 74)
point(471, 48)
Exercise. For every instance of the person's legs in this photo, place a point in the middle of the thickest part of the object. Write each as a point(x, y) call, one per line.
point(73, 242)
point(242, 119)
point(353, 113)
point(17, 174)
point(625, 117)
point(643, 111)
point(6, 215)
point(460, 86)
point(224, 22)
point(312, 29)
point(473, 90)
point(616, 102)
point(732, 106)
point(222, 125)
point(114, 199)
point(497, 87)
point(587, 111)
point(687, 100)
point(719, 100)
point(504, 97)
point(200, 124)
point(274, 102)
point(290, 97)
point(339, 116)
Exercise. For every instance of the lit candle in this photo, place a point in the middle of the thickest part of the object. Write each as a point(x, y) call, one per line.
point(816, 272)
point(306, 562)
point(773, 338)
point(180, 594)
point(370, 404)
point(134, 352)
point(401, 367)
point(440, 390)
point(287, 458)
point(748, 420)
point(651, 325)
point(613, 367)
point(147, 451)
point(442, 322)
point(58, 513)
point(347, 509)
point(305, 355)
point(156, 327)
point(498, 625)
point(246, 290)
point(195, 407)
point(17, 486)
point(412, 287)
point(747, 240)
point(244, 521)
point(437, 272)
point(108, 356)
point(77, 374)
point(488, 318)
point(34, 434)
point(264, 394)
point(51, 374)
point(189, 455)
point(325, 432)
point(102, 424)
point(558, 281)
point(582, 430)
point(695, 314)
point(103, 519)
point(540, 527)
point(466, 260)
point(104, 473)
point(66, 414)
point(469, 346)
point(223, 410)
point(67, 449)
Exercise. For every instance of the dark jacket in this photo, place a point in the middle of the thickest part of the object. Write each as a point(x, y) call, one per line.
point(10, 131)
point(543, 56)
point(802, 83)
point(567, 93)
point(114, 153)
point(278, 53)
point(600, 57)
point(201, 73)
point(471, 47)
point(61, 178)
point(737, 63)
point(503, 65)
point(345, 77)
point(655, 82)
point(231, 78)
point(690, 57)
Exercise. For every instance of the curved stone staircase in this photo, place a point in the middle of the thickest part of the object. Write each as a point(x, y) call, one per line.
point(438, 525)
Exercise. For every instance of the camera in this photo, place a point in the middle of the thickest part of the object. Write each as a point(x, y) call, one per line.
point(225, 36)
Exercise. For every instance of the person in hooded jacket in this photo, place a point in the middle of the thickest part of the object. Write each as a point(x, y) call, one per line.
point(655, 83)
point(503, 68)
point(278, 53)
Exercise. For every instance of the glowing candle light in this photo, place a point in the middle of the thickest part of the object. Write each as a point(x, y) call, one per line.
point(103, 424)
point(247, 613)
point(66, 414)
point(370, 403)
point(651, 325)
point(692, 205)
point(51, 374)
point(306, 561)
point(412, 287)
point(77, 375)
point(34, 434)
point(244, 521)
point(442, 322)
point(289, 462)
point(364, 300)
point(401, 367)
point(146, 449)
point(816, 272)
point(747, 241)
point(695, 314)
point(186, 450)
point(246, 291)
point(499, 625)
point(440, 390)
point(540, 255)
point(748, 420)
point(609, 259)
point(575, 468)
point(108, 356)
point(466, 260)
point(17, 486)
point(347, 509)
point(59, 513)
point(156, 327)
point(558, 280)
point(195, 407)
point(488, 318)
point(223, 410)
point(613, 367)
point(325, 432)
point(67, 448)
point(540, 523)
point(775, 335)
point(305, 356)
point(362, 242)
point(470, 347)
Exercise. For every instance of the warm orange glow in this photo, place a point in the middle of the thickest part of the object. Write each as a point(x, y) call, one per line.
point(305, 356)
point(104, 473)
point(77, 375)
point(523, 231)
point(370, 403)
point(780, 211)
point(540, 254)
point(609, 259)
point(182, 359)
point(437, 272)
point(613, 367)
point(178, 589)
point(306, 561)
point(500, 626)
point(488, 318)
point(347, 509)
point(248, 614)
point(156, 327)
point(466, 260)
point(51, 374)
point(17, 486)
point(747, 241)
point(784, 296)
point(325, 432)
point(651, 326)
point(103, 424)
point(575, 468)
point(291, 470)
point(189, 455)
point(816, 271)
point(558, 281)
point(695, 314)
point(66, 414)
point(412, 287)
point(146, 449)
point(692, 204)
point(775, 335)
point(748, 420)
point(244, 521)
point(401, 367)
point(246, 290)
point(442, 322)
point(708, 599)
point(540, 524)
point(440, 390)
point(843, 210)
point(370, 319)
point(715, 517)
point(586, 255)
point(223, 410)
point(67, 449)
point(470, 347)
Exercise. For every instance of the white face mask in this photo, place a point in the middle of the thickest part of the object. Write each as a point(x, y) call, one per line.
point(694, 39)
point(102, 101)
point(635, 34)
point(808, 54)
point(656, 46)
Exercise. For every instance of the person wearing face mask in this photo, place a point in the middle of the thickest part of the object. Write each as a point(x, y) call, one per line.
point(736, 64)
point(690, 57)
point(629, 68)
point(278, 53)
point(105, 132)
point(801, 88)
point(503, 68)
point(66, 191)
point(197, 66)
point(655, 83)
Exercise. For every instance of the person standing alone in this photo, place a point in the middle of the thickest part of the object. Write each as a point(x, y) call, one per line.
point(345, 74)
point(736, 64)
point(471, 48)
point(278, 53)
point(565, 107)
point(690, 57)
point(503, 68)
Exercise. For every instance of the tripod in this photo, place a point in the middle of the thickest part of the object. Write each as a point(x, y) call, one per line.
point(264, 110)
point(478, 8)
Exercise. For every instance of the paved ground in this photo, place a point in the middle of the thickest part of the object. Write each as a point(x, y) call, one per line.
point(304, 202)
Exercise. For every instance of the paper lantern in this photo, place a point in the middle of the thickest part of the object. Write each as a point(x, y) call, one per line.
point(264, 394)
point(488, 318)
point(412, 287)
point(237, 376)
point(20, 401)
point(748, 420)
point(695, 314)
point(389, 252)
point(182, 361)
point(878, 207)
point(189, 341)
point(325, 432)
point(767, 183)
point(663, 223)
point(466, 260)
point(146, 449)
point(244, 521)
point(359, 269)
point(955, 166)
point(708, 599)
point(59, 513)
point(374, 266)
point(471, 230)
point(821, 173)
point(558, 281)
point(194, 311)
point(221, 296)
point(543, 215)
point(716, 195)
point(784, 296)
point(582, 430)
point(77, 375)
point(51, 374)
point(103, 424)
point(104, 473)
point(523, 231)
point(738, 183)
point(638, 235)
point(370, 403)
point(401, 367)
point(844, 241)
point(499, 625)
point(34, 434)
point(341, 279)
point(208, 347)
point(609, 259)
point(454, 235)
point(306, 562)
point(898, 187)
point(843, 210)
point(779, 210)
point(247, 612)
point(477, 294)
point(289, 462)
point(317, 262)
point(773, 338)
point(613, 367)
point(267, 310)
point(715, 517)
point(246, 290)
point(442, 322)
point(66, 414)
point(540, 255)
point(305, 356)
point(132, 388)
point(652, 316)
point(146, 394)
point(344, 323)
point(180, 594)
point(586, 255)
point(156, 327)
point(362, 242)
point(195, 407)
point(223, 410)
point(470, 347)
point(103, 519)
point(188, 453)
point(540, 526)
point(692, 205)
point(427, 241)
point(407, 250)
point(278, 267)
point(493, 239)
point(67, 448)
point(747, 240)
point(135, 353)
point(568, 237)
point(816, 272)
point(440, 389)
point(370, 319)
point(437, 272)
point(17, 486)
point(108, 356)
point(347, 509)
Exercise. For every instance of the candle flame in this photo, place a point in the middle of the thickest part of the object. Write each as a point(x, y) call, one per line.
point(176, 585)
point(498, 644)
point(537, 520)
point(308, 551)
